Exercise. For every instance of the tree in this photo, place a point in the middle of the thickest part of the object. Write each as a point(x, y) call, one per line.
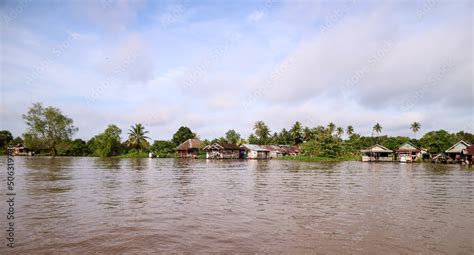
point(34, 143)
point(262, 132)
point(307, 134)
point(253, 139)
point(377, 128)
point(297, 133)
point(438, 141)
point(466, 136)
point(163, 148)
point(339, 132)
point(78, 147)
point(108, 143)
point(5, 139)
point(415, 127)
point(49, 126)
point(17, 140)
point(284, 137)
point(325, 145)
point(137, 138)
point(331, 128)
point(350, 130)
point(183, 134)
point(232, 136)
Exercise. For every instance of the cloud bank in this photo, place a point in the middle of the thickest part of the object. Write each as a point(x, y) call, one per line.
point(219, 66)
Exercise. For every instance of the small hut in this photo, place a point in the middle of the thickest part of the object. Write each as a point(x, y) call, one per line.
point(222, 151)
point(290, 150)
point(455, 151)
point(253, 151)
point(377, 153)
point(189, 148)
point(20, 150)
point(408, 152)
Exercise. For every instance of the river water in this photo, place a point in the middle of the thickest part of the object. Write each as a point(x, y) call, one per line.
point(92, 205)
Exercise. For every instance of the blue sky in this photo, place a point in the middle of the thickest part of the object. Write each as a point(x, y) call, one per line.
point(217, 65)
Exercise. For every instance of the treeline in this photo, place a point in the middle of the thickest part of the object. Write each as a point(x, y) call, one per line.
point(50, 132)
point(327, 141)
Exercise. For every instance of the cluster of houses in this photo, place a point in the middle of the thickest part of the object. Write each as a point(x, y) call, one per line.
point(461, 152)
point(192, 147)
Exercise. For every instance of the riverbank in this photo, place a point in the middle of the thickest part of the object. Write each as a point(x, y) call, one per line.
point(317, 159)
point(133, 154)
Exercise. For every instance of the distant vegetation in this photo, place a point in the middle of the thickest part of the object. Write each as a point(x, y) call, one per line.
point(50, 132)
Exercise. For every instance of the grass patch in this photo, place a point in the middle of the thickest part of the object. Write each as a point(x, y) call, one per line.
point(133, 154)
point(315, 159)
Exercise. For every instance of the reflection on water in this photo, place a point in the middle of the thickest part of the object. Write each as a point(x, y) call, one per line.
point(93, 205)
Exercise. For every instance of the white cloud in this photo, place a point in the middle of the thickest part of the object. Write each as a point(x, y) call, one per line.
point(255, 16)
point(290, 67)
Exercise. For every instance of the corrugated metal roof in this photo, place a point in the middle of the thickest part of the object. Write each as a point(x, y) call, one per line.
point(377, 148)
point(254, 147)
point(407, 146)
point(458, 147)
point(225, 146)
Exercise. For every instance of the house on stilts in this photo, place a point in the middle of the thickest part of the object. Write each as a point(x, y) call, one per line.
point(408, 152)
point(253, 151)
point(377, 153)
point(455, 152)
point(223, 151)
point(189, 148)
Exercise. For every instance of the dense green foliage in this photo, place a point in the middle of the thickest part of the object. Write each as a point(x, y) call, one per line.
point(6, 139)
point(438, 141)
point(312, 158)
point(183, 134)
point(232, 137)
point(50, 132)
point(107, 144)
point(163, 149)
point(47, 126)
point(133, 153)
point(77, 147)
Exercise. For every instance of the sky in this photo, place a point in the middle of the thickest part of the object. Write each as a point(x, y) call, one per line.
point(220, 65)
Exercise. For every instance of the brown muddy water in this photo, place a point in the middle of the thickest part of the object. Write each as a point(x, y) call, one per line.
point(92, 205)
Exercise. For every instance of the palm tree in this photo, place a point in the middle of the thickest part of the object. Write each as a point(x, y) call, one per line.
point(415, 127)
point(137, 137)
point(339, 132)
point(261, 131)
point(377, 128)
point(350, 130)
point(297, 133)
point(331, 127)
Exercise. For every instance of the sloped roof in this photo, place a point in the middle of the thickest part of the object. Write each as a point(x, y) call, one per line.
point(20, 145)
point(377, 148)
point(458, 147)
point(253, 147)
point(272, 148)
point(407, 146)
point(189, 144)
point(17, 146)
point(222, 146)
